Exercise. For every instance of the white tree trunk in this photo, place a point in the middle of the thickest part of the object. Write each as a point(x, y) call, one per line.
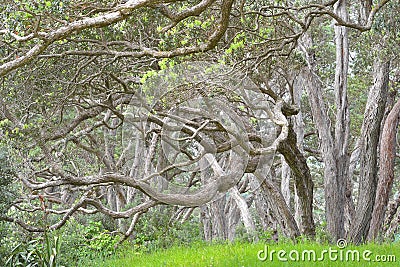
point(285, 180)
point(244, 212)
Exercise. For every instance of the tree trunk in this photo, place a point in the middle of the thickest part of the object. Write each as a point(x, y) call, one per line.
point(386, 172)
point(334, 149)
point(335, 183)
point(303, 180)
point(278, 206)
point(298, 127)
point(322, 122)
point(368, 145)
point(267, 220)
point(365, 10)
point(244, 213)
point(232, 219)
point(206, 222)
point(285, 181)
point(391, 222)
point(350, 210)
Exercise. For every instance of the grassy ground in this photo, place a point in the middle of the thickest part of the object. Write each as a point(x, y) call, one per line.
point(242, 254)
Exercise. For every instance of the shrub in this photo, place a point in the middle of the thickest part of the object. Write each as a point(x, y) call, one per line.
point(37, 252)
point(86, 242)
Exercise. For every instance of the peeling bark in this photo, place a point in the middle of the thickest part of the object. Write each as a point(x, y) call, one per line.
point(386, 172)
point(334, 147)
point(335, 183)
point(368, 146)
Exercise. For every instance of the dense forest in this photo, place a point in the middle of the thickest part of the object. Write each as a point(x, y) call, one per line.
point(147, 122)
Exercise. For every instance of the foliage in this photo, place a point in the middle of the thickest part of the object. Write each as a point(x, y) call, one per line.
point(155, 231)
point(7, 185)
point(86, 242)
point(98, 239)
point(36, 253)
point(87, 239)
point(8, 193)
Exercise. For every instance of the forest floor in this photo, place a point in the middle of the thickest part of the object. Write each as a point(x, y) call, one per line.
point(259, 254)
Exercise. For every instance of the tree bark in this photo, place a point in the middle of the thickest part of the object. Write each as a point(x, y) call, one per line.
point(322, 122)
point(368, 146)
point(285, 180)
point(267, 220)
point(386, 172)
point(244, 212)
point(350, 208)
point(333, 148)
point(391, 222)
point(303, 180)
point(298, 127)
point(365, 10)
point(278, 206)
point(335, 183)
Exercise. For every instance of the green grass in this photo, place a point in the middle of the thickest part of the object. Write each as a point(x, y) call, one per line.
point(244, 254)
